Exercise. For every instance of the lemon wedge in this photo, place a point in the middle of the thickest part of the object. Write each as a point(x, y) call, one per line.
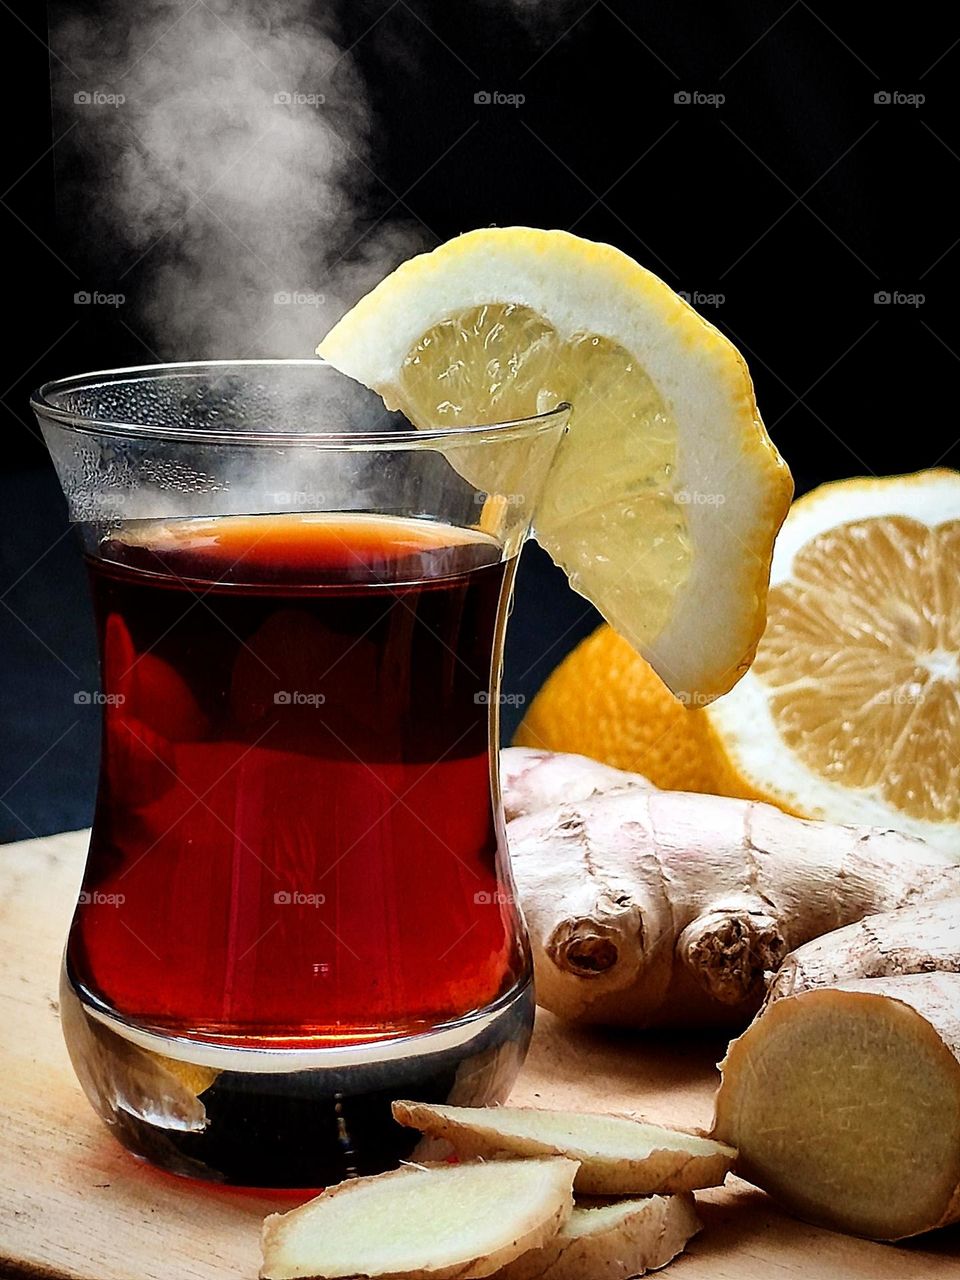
point(667, 493)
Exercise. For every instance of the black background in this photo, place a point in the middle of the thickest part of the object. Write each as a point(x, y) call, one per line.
point(798, 199)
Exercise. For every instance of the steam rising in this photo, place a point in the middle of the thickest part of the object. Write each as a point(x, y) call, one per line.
point(223, 152)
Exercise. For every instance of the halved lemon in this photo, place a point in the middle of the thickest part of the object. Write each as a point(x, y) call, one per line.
point(666, 495)
point(604, 701)
point(851, 710)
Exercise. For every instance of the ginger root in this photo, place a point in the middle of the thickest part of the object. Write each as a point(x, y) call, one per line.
point(656, 908)
point(533, 780)
point(844, 1102)
point(922, 938)
point(611, 1241)
point(618, 1156)
point(844, 1094)
point(427, 1222)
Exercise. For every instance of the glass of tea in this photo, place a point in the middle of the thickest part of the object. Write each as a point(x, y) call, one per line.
point(296, 905)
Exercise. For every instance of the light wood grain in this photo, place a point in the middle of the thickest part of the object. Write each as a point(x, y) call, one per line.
point(74, 1204)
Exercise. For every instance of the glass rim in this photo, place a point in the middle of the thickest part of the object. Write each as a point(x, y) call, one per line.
point(415, 437)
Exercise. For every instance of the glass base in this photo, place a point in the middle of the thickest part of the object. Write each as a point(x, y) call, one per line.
point(292, 1118)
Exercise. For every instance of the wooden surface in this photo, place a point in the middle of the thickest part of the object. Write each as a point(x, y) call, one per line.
point(73, 1203)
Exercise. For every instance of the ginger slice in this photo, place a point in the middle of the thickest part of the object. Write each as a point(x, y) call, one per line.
point(435, 1222)
point(844, 1103)
point(612, 1241)
point(618, 1156)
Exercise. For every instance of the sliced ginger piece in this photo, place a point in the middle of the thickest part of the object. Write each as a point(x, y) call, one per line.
point(845, 1103)
point(618, 1156)
point(611, 1241)
point(422, 1221)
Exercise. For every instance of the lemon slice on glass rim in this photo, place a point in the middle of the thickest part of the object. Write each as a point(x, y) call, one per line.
point(666, 494)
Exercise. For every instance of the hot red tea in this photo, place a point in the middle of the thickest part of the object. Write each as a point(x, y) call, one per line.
point(294, 842)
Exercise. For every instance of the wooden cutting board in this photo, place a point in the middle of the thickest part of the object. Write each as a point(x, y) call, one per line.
point(74, 1204)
